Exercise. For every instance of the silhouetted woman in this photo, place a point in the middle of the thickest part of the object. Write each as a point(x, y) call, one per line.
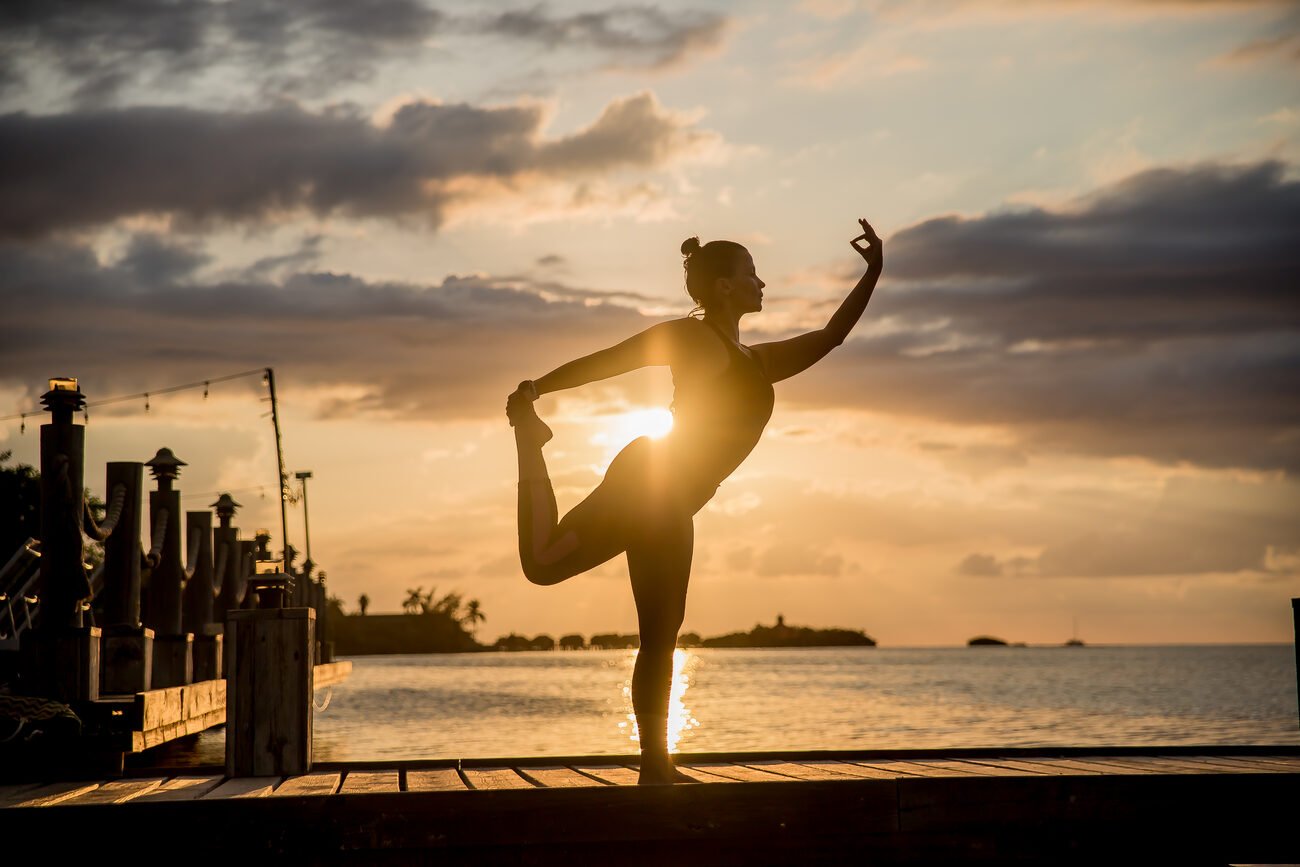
point(646, 504)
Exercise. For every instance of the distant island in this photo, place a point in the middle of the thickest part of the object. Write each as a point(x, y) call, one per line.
point(782, 635)
point(990, 641)
point(446, 625)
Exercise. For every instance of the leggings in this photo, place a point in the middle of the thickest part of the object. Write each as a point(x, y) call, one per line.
point(642, 510)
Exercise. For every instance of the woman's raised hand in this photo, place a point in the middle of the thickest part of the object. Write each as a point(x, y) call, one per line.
point(520, 402)
point(873, 252)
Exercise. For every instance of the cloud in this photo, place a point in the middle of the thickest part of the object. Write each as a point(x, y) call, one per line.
point(1285, 47)
point(980, 565)
point(447, 350)
point(1197, 526)
point(634, 36)
point(102, 47)
point(1156, 317)
point(203, 166)
point(307, 47)
point(796, 559)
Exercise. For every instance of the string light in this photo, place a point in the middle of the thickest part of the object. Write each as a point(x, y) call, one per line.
point(205, 384)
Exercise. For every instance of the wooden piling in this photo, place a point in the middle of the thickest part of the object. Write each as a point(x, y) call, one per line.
point(269, 694)
point(127, 643)
point(173, 663)
point(60, 659)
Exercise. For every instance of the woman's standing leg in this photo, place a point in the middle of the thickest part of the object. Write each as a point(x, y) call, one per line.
point(659, 563)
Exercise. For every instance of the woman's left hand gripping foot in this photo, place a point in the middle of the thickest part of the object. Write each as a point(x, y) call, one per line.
point(523, 416)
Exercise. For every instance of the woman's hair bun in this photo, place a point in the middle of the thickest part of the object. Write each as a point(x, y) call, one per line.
point(690, 246)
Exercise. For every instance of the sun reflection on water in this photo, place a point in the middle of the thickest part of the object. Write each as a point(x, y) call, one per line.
point(680, 720)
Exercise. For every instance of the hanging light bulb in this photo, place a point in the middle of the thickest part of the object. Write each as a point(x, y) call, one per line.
point(23, 427)
point(146, 401)
point(205, 389)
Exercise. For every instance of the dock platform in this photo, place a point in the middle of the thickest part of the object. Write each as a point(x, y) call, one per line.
point(1184, 805)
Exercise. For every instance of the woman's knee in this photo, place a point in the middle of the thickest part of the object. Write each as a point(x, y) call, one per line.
point(544, 575)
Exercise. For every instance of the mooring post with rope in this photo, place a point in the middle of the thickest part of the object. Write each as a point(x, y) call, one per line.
point(127, 642)
point(199, 598)
point(173, 662)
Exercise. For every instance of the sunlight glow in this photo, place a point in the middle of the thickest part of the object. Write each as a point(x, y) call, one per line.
point(616, 431)
point(680, 720)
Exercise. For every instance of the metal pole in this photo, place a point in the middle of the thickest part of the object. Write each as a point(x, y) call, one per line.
point(306, 527)
point(279, 457)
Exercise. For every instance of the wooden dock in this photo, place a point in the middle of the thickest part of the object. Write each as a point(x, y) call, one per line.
point(144, 720)
point(1185, 806)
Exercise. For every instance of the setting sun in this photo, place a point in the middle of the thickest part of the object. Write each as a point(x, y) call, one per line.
point(616, 431)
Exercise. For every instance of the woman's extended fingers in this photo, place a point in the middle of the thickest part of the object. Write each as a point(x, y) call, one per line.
point(868, 232)
point(871, 252)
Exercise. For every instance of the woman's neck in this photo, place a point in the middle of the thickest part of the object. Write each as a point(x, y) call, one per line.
point(727, 325)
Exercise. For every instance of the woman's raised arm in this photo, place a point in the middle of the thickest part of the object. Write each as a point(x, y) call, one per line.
point(657, 345)
point(782, 359)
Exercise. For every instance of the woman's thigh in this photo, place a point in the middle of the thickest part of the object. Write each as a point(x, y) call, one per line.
point(659, 564)
point(637, 503)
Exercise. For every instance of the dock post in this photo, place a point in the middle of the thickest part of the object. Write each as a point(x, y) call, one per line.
point(1295, 617)
point(269, 689)
point(60, 659)
point(173, 661)
point(128, 643)
point(200, 600)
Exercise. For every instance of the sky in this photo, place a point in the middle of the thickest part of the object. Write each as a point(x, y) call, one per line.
point(1071, 404)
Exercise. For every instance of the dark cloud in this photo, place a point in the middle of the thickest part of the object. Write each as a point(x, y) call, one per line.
point(634, 36)
point(305, 47)
point(151, 318)
point(204, 166)
point(1158, 317)
point(102, 46)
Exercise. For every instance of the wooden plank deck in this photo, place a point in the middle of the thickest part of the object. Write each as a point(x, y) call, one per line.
point(1206, 805)
point(138, 722)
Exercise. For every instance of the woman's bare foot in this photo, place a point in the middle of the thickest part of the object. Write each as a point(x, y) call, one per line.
point(523, 418)
point(661, 772)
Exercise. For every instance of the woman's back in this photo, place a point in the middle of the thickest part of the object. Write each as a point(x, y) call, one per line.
point(717, 420)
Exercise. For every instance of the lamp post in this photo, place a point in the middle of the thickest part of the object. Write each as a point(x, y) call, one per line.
point(303, 476)
point(313, 591)
point(61, 656)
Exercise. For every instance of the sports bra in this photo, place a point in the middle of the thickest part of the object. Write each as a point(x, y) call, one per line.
point(718, 421)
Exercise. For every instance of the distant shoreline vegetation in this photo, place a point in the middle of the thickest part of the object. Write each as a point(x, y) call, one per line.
point(426, 629)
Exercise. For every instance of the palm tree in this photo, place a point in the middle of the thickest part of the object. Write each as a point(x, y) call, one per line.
point(473, 616)
point(414, 600)
point(363, 602)
point(449, 605)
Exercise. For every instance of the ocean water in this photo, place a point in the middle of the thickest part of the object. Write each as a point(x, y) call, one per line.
point(578, 703)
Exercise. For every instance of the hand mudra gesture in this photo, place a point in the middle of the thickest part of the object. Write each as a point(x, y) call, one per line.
point(872, 253)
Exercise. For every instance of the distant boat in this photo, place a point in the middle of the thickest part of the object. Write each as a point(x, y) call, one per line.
point(1075, 640)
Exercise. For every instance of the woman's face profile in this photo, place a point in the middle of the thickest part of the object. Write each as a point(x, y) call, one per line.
point(746, 287)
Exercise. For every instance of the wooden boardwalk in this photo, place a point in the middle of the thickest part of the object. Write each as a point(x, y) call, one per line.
point(1212, 805)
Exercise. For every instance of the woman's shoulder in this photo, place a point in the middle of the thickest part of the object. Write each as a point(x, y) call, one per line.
point(700, 350)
